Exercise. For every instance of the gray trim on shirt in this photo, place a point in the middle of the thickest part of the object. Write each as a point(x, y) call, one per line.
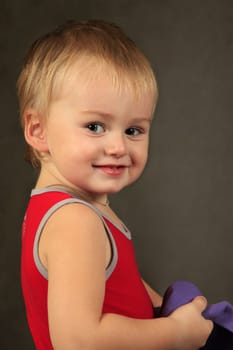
point(41, 268)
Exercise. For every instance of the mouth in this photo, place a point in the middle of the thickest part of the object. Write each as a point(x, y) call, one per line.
point(114, 170)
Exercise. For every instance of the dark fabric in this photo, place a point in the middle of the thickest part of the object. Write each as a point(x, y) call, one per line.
point(219, 339)
point(182, 292)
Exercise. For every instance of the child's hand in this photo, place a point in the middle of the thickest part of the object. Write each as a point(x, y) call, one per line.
point(192, 328)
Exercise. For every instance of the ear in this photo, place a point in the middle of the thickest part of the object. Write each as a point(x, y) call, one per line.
point(35, 130)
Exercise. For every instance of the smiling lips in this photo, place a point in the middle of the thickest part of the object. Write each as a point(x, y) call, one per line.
point(111, 169)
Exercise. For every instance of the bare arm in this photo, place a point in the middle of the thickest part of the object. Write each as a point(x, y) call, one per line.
point(75, 249)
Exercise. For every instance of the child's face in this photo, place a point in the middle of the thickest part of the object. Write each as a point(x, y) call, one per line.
point(97, 135)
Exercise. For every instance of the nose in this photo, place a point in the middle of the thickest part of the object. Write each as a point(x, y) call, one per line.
point(116, 145)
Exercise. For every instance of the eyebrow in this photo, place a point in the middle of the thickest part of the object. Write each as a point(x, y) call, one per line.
point(142, 119)
point(97, 112)
point(111, 116)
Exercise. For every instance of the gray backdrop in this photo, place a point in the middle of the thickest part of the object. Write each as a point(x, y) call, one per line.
point(180, 212)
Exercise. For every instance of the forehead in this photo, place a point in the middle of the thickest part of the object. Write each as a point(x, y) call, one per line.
point(87, 73)
point(101, 90)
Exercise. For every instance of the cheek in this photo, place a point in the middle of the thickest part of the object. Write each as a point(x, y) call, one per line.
point(141, 155)
point(139, 159)
point(139, 163)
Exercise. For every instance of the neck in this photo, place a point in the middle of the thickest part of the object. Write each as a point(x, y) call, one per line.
point(104, 204)
point(101, 200)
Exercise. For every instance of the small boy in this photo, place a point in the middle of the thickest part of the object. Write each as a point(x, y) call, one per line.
point(87, 96)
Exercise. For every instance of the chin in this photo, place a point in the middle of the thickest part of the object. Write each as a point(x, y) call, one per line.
point(118, 189)
point(115, 187)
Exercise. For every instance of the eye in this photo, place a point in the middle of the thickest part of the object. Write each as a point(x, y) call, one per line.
point(134, 131)
point(96, 128)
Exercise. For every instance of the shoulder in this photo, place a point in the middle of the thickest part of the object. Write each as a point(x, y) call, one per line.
point(72, 211)
point(71, 228)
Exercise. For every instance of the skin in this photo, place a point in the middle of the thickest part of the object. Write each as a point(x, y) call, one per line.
point(95, 141)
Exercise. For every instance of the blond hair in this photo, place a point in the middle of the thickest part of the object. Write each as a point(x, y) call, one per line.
point(51, 56)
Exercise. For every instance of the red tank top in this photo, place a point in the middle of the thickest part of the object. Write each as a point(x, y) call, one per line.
point(125, 293)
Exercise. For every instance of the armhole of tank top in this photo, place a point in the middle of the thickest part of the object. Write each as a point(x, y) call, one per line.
point(41, 268)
